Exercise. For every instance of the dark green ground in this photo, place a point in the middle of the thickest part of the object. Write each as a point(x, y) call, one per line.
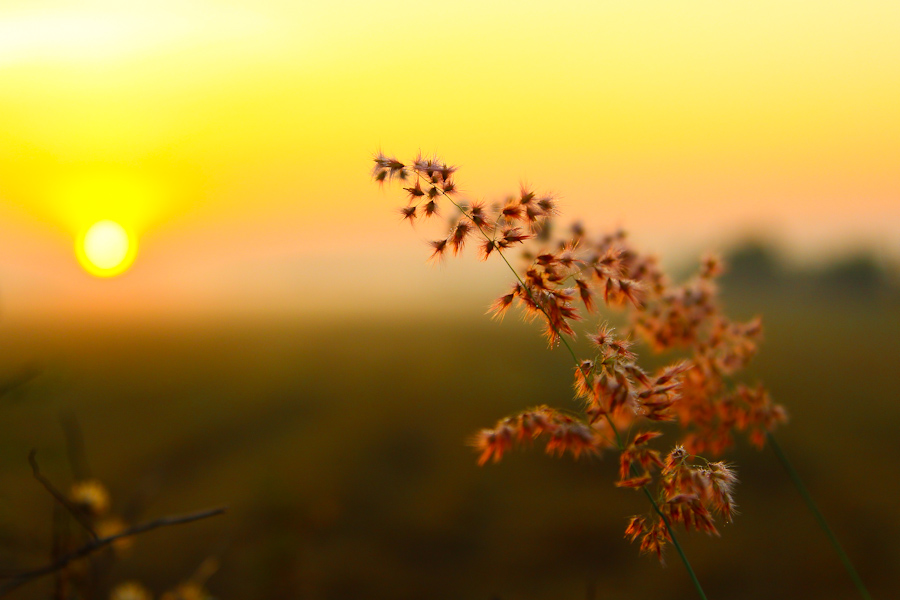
point(339, 448)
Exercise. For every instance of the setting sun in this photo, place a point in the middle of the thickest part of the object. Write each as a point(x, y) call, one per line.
point(106, 249)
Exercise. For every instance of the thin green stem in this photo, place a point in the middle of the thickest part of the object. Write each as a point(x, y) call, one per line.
point(619, 443)
point(804, 493)
point(684, 559)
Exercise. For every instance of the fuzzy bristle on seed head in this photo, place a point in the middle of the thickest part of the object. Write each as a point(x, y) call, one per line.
point(409, 213)
point(459, 235)
point(486, 248)
point(90, 496)
point(430, 209)
point(501, 305)
point(439, 246)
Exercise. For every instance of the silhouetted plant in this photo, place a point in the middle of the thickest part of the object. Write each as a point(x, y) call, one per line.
point(88, 503)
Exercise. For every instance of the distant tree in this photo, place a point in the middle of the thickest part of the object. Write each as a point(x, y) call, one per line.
point(858, 274)
point(754, 261)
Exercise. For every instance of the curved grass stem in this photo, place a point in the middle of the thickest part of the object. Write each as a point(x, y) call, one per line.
point(823, 524)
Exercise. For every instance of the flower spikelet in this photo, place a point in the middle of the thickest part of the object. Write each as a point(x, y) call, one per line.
point(691, 492)
point(187, 591)
point(130, 590)
point(655, 539)
point(91, 496)
point(492, 443)
point(564, 434)
point(637, 525)
point(758, 414)
point(388, 167)
point(113, 525)
point(582, 385)
point(501, 305)
point(638, 453)
point(721, 480)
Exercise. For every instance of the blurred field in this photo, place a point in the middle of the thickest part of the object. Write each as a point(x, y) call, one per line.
point(340, 449)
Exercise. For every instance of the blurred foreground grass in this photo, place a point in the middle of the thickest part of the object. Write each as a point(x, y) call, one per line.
point(340, 449)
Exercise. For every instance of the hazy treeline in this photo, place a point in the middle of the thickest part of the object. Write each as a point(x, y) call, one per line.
point(861, 274)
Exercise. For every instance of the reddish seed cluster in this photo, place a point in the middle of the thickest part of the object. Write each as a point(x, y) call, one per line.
point(688, 318)
point(564, 278)
point(91, 498)
point(498, 227)
point(689, 494)
point(558, 275)
point(562, 432)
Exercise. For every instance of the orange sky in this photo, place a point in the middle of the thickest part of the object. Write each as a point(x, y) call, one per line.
point(234, 137)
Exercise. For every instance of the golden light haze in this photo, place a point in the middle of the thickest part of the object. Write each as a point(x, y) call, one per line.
point(235, 138)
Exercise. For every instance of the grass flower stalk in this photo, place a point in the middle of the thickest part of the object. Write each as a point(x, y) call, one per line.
point(562, 279)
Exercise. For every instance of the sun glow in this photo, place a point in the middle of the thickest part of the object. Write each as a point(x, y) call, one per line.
point(106, 249)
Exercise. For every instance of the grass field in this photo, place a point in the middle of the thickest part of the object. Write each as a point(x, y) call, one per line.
point(339, 448)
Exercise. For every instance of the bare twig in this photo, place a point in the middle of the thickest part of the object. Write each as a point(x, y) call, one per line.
point(74, 510)
point(98, 543)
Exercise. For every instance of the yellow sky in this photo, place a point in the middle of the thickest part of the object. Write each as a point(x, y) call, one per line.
point(235, 137)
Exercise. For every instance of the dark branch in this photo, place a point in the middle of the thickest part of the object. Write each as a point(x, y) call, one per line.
point(74, 510)
point(98, 543)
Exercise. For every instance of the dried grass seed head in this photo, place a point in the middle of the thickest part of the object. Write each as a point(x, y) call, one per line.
point(91, 496)
point(130, 590)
